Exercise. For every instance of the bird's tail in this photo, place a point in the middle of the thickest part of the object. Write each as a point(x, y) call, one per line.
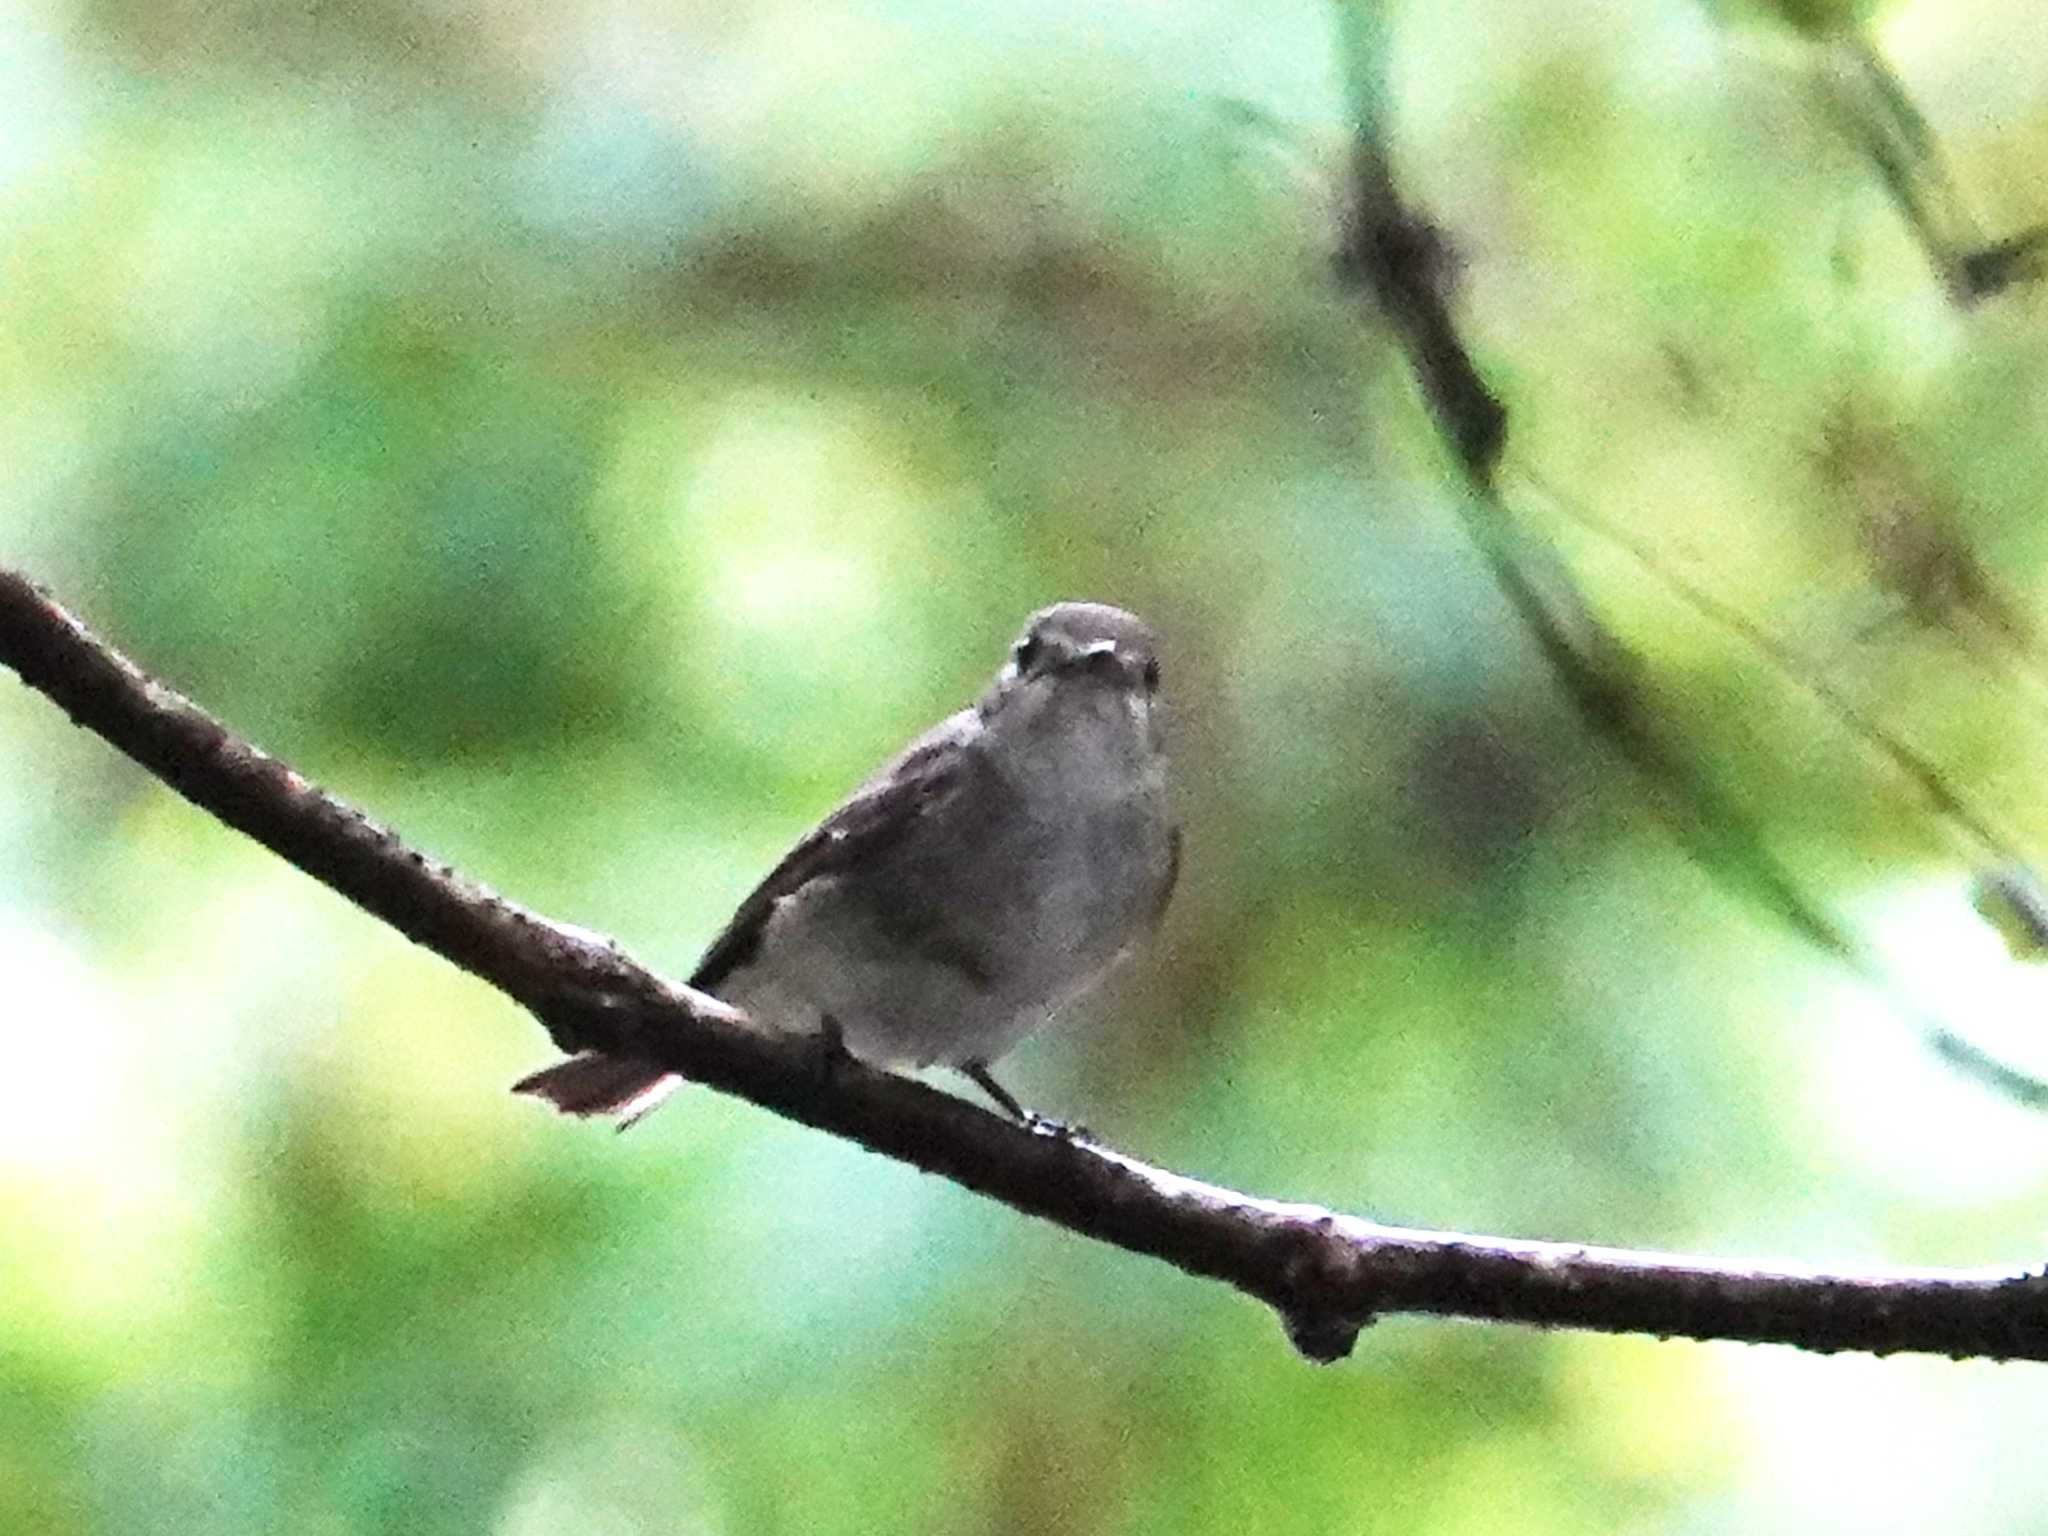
point(596, 1084)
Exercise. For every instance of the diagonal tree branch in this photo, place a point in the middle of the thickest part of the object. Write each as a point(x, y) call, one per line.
point(1397, 256)
point(1867, 97)
point(1326, 1274)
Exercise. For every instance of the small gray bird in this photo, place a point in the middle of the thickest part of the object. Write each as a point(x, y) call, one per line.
point(993, 872)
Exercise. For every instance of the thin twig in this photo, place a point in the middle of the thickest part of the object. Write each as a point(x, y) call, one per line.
point(1949, 802)
point(1876, 111)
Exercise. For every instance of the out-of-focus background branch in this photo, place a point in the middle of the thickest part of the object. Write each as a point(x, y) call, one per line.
point(1402, 260)
point(597, 434)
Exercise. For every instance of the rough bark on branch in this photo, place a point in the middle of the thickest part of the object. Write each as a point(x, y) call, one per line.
point(1325, 1273)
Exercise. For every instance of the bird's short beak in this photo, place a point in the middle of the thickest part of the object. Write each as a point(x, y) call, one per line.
point(1103, 659)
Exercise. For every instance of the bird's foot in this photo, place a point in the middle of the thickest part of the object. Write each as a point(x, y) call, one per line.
point(832, 1054)
point(1059, 1130)
point(977, 1073)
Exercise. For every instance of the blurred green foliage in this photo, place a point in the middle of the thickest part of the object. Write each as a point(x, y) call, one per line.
point(591, 436)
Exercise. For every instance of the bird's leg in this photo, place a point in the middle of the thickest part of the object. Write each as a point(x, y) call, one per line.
point(977, 1073)
point(832, 1051)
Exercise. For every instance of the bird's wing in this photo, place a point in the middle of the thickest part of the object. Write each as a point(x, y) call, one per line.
point(923, 775)
point(1172, 879)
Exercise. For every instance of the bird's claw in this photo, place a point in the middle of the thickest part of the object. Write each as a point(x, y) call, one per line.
point(832, 1054)
point(1059, 1130)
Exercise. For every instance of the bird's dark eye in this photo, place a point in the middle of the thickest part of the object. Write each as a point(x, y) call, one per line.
point(1151, 674)
point(1026, 653)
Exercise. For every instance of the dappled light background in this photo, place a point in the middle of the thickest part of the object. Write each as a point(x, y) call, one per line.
point(591, 436)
